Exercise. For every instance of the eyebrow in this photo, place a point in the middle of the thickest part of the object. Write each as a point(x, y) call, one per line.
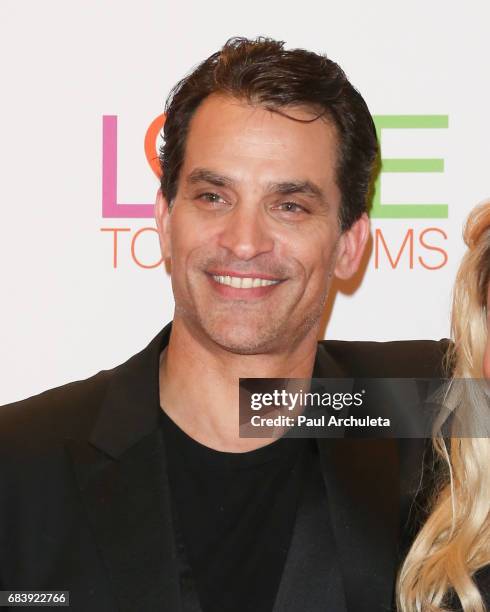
point(200, 175)
point(308, 188)
point(289, 187)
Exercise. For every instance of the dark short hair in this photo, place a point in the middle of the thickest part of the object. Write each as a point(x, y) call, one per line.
point(263, 73)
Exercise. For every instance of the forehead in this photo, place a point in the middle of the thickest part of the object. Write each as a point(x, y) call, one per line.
point(245, 141)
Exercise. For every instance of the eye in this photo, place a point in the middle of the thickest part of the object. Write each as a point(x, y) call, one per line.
point(212, 198)
point(292, 207)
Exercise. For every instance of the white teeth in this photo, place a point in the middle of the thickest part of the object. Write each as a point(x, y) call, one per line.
point(244, 282)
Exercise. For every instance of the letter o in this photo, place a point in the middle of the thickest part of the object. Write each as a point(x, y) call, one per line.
point(133, 254)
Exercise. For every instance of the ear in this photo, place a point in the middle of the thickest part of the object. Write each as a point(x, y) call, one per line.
point(351, 247)
point(162, 218)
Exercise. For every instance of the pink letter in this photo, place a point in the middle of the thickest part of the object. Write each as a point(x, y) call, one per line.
point(110, 206)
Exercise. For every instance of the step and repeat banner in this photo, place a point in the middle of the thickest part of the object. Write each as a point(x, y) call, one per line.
point(83, 90)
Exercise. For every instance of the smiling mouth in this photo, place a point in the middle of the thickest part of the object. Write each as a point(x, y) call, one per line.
point(244, 282)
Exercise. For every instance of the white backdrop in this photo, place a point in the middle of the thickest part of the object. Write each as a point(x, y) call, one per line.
point(67, 312)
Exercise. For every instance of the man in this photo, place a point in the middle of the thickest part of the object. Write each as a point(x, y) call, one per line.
point(133, 489)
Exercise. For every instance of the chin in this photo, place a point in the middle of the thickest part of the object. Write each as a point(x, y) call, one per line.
point(242, 339)
point(242, 344)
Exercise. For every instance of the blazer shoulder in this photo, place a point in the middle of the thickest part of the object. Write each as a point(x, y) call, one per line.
point(72, 411)
point(65, 411)
point(394, 359)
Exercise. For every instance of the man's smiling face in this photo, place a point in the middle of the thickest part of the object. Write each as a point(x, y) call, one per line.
point(253, 232)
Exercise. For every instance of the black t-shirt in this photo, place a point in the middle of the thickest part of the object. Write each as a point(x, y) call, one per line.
point(235, 512)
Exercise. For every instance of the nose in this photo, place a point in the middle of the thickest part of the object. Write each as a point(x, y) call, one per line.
point(245, 233)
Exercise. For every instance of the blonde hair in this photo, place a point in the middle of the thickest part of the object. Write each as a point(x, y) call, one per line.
point(454, 542)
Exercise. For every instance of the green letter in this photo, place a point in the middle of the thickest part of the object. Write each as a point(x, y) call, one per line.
point(408, 211)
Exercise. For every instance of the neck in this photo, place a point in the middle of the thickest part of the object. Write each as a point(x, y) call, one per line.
point(199, 384)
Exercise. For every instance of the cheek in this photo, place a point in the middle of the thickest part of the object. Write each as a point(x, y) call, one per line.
point(314, 250)
point(185, 235)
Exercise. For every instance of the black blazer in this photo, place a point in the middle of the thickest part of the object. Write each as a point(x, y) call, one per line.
point(84, 495)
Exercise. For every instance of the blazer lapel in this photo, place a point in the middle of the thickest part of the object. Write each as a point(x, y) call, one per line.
point(311, 579)
point(362, 482)
point(122, 477)
point(361, 478)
